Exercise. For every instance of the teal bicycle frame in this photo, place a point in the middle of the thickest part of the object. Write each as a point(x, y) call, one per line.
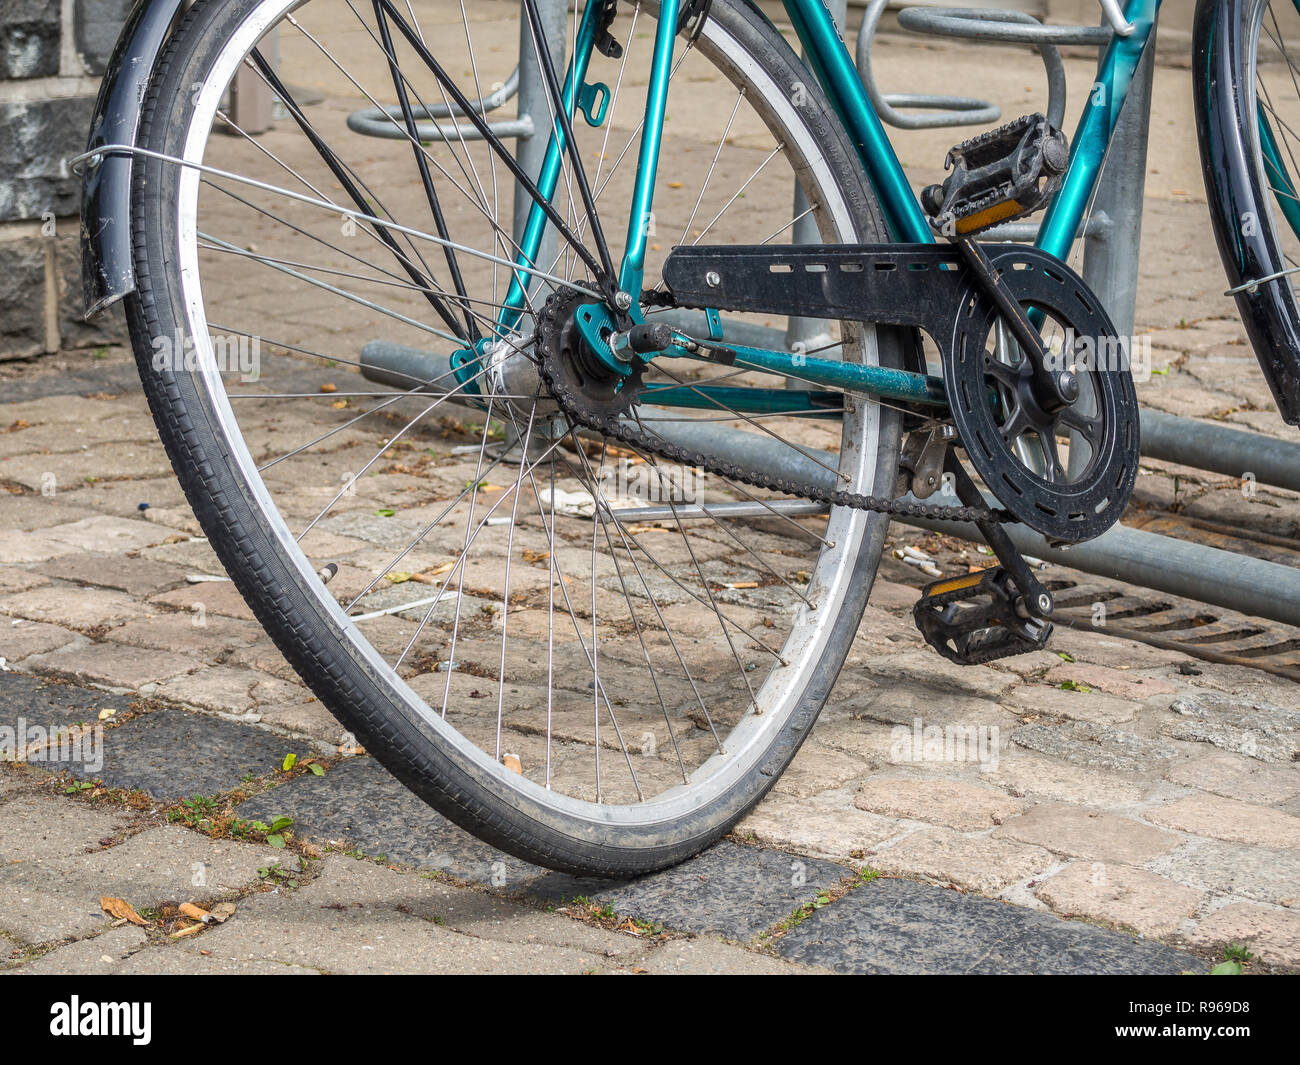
point(834, 69)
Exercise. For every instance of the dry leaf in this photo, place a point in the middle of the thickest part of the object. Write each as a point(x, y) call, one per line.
point(512, 762)
point(120, 909)
point(329, 387)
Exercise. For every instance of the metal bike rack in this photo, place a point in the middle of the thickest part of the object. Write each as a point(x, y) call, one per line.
point(1112, 238)
point(386, 121)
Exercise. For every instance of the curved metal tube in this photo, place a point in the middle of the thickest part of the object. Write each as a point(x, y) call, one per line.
point(949, 110)
point(1009, 27)
point(387, 121)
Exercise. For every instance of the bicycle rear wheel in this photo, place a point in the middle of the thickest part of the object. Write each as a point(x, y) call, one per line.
point(594, 694)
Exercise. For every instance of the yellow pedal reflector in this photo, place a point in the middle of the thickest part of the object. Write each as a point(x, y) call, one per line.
point(944, 587)
point(990, 216)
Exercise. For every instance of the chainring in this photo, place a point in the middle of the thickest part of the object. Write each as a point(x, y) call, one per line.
point(1010, 437)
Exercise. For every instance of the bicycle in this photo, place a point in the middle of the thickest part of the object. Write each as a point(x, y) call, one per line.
point(645, 685)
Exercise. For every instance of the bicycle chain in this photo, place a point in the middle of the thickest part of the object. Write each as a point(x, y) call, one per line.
point(549, 326)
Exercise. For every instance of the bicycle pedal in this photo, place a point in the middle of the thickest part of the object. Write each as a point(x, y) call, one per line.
point(973, 619)
point(997, 177)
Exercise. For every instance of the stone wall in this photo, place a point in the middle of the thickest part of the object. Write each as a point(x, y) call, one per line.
point(52, 54)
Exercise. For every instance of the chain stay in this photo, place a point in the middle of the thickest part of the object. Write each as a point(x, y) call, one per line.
point(550, 324)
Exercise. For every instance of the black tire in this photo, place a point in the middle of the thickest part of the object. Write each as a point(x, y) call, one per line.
point(283, 597)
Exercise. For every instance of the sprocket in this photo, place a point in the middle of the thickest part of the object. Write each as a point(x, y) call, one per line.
point(573, 372)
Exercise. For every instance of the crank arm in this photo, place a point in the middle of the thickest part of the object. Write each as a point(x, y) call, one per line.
point(1035, 600)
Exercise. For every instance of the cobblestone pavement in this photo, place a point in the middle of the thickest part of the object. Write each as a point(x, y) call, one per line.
point(1136, 809)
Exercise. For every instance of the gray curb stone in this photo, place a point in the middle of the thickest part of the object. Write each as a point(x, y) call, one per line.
point(900, 926)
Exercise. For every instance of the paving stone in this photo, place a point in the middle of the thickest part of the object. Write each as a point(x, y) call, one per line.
point(920, 669)
point(307, 719)
point(35, 512)
point(111, 664)
point(475, 913)
point(834, 830)
point(871, 742)
point(171, 960)
point(340, 923)
point(1078, 706)
point(109, 534)
point(361, 803)
point(1238, 777)
point(43, 826)
point(816, 769)
point(1245, 685)
point(1121, 683)
point(214, 598)
point(1099, 746)
point(897, 926)
point(1249, 872)
point(730, 890)
point(17, 548)
point(1084, 832)
point(1094, 646)
point(50, 899)
point(135, 576)
point(13, 579)
point(955, 803)
point(708, 957)
point(1252, 727)
point(99, 955)
point(1120, 895)
point(228, 690)
point(979, 863)
point(73, 471)
point(19, 638)
point(216, 637)
point(179, 517)
point(193, 554)
point(50, 703)
point(1031, 775)
point(890, 595)
point(72, 607)
point(1229, 820)
point(172, 754)
point(1273, 935)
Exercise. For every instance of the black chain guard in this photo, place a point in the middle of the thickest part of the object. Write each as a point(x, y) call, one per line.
point(930, 287)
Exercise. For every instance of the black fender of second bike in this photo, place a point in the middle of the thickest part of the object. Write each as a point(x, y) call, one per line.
point(1240, 199)
point(107, 271)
